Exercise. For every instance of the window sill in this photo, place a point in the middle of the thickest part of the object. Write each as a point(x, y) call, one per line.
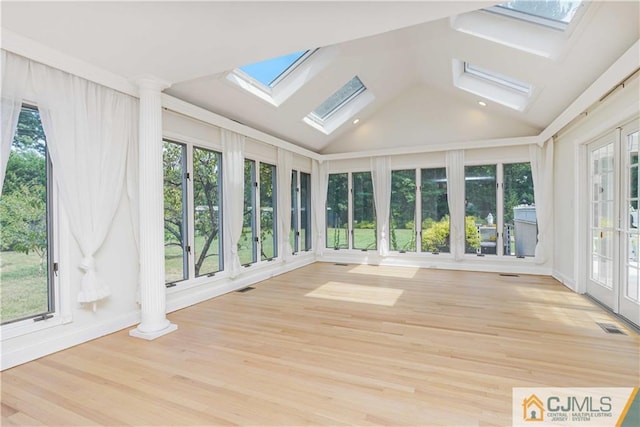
point(28, 326)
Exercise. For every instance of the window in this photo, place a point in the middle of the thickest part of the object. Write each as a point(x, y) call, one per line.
point(300, 211)
point(342, 96)
point(480, 209)
point(268, 214)
point(497, 78)
point(435, 210)
point(295, 229)
point(337, 211)
point(259, 227)
point(207, 187)
point(364, 212)
point(270, 72)
point(305, 211)
point(176, 257)
point(520, 228)
point(191, 202)
point(556, 14)
point(403, 211)
point(26, 232)
point(247, 247)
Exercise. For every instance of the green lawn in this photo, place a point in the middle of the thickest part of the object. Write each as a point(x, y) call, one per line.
point(23, 287)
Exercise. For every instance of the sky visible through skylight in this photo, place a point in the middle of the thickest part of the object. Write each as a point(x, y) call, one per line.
point(267, 72)
point(555, 10)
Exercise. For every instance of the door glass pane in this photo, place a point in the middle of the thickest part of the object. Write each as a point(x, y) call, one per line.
point(602, 199)
point(24, 277)
point(293, 235)
point(268, 215)
point(435, 210)
point(480, 205)
point(402, 227)
point(176, 259)
point(520, 222)
point(337, 211)
point(305, 211)
point(206, 215)
point(247, 247)
point(364, 212)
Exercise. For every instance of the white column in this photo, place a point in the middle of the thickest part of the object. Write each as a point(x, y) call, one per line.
point(154, 322)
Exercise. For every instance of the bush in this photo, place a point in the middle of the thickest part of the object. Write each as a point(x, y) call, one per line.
point(435, 235)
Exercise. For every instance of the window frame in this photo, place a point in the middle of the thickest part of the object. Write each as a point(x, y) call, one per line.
point(189, 209)
point(499, 79)
point(539, 20)
point(58, 287)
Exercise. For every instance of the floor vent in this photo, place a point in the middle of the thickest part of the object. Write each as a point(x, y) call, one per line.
point(611, 329)
point(247, 289)
point(341, 264)
point(509, 275)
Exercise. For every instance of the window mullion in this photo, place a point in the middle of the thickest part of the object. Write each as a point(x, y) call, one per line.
point(418, 211)
point(350, 208)
point(257, 241)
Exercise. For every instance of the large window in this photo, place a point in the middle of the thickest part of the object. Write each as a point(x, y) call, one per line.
point(176, 245)
point(207, 187)
point(26, 279)
point(556, 14)
point(337, 211)
point(480, 209)
point(520, 229)
point(268, 214)
point(192, 212)
point(247, 247)
point(259, 236)
point(300, 211)
point(403, 211)
point(364, 212)
point(435, 210)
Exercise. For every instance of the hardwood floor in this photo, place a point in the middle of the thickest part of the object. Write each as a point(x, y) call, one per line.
point(336, 345)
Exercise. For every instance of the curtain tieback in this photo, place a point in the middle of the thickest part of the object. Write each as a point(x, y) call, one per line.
point(88, 263)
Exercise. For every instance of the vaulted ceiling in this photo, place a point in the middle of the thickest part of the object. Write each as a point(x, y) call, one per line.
point(404, 52)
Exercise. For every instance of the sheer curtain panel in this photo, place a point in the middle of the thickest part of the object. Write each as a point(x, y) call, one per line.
point(381, 178)
point(285, 161)
point(542, 174)
point(455, 198)
point(319, 188)
point(14, 84)
point(233, 204)
point(89, 128)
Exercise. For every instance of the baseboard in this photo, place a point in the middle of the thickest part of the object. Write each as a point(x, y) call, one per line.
point(57, 342)
point(566, 281)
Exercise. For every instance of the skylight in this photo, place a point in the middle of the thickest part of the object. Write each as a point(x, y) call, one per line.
point(556, 14)
point(271, 71)
point(342, 96)
point(497, 78)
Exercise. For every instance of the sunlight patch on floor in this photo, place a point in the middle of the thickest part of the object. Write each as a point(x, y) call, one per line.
point(400, 272)
point(357, 293)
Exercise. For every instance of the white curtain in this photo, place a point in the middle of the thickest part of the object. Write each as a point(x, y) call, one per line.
point(285, 162)
point(233, 192)
point(89, 128)
point(381, 178)
point(319, 188)
point(134, 200)
point(542, 173)
point(455, 197)
point(15, 70)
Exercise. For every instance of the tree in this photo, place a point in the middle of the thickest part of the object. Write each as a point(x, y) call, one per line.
point(206, 200)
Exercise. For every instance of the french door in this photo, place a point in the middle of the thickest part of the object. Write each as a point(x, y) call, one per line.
point(614, 234)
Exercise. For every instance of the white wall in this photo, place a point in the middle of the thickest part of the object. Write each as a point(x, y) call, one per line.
point(418, 117)
point(570, 165)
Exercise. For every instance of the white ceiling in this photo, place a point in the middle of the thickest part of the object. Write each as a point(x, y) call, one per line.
point(402, 51)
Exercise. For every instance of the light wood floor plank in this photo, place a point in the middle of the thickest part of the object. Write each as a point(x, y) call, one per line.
point(335, 345)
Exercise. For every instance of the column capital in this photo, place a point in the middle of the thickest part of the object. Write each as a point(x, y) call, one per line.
point(151, 82)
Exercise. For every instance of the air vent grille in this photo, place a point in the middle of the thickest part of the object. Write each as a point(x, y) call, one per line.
point(611, 329)
point(247, 289)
